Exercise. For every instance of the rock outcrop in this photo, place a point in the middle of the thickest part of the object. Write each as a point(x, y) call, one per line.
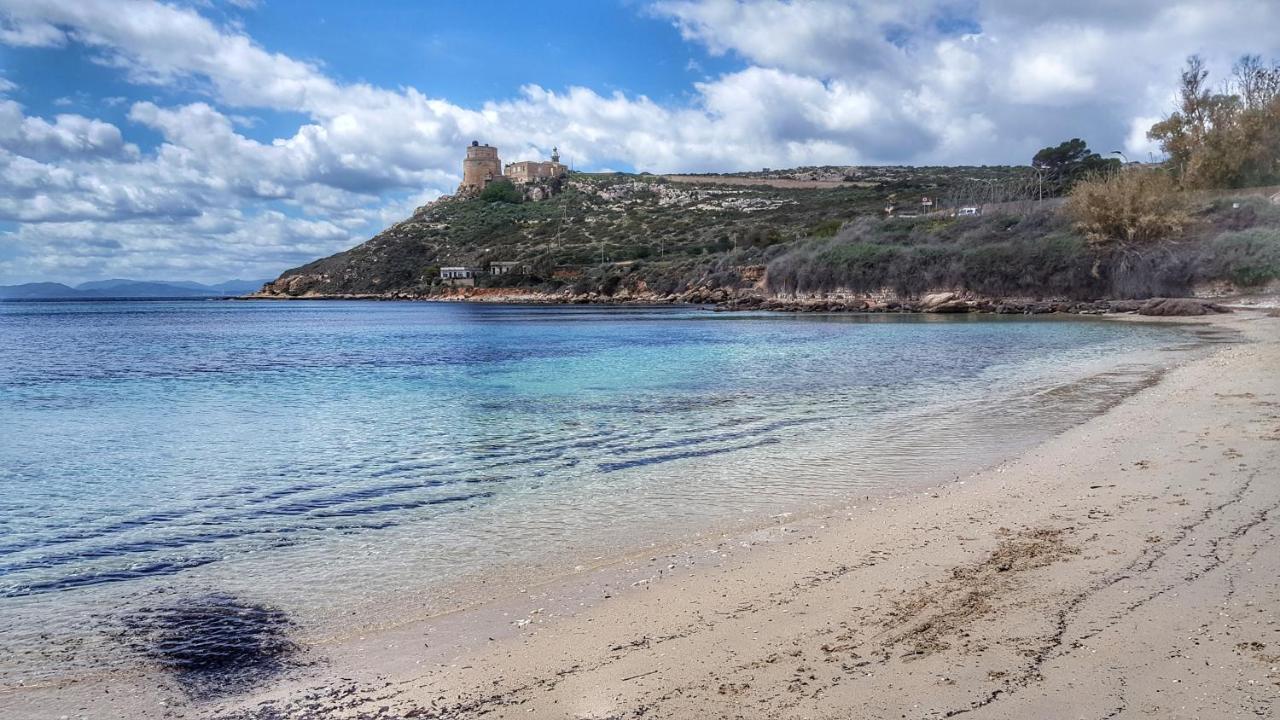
point(1180, 307)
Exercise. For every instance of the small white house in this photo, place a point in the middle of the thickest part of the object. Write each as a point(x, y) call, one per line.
point(459, 273)
point(508, 268)
point(460, 276)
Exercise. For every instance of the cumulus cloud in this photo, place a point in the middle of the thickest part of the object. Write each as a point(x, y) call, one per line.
point(818, 82)
point(30, 33)
point(68, 136)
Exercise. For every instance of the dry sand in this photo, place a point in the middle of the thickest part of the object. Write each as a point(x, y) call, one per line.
point(1126, 568)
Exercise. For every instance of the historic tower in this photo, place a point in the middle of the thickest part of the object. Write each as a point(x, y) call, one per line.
point(481, 167)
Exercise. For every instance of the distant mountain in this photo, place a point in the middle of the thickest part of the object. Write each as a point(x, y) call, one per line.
point(230, 287)
point(144, 289)
point(36, 291)
point(105, 284)
point(126, 289)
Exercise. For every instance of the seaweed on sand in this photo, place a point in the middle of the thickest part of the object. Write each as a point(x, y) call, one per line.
point(214, 643)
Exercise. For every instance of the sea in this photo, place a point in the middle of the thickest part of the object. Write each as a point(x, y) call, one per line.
point(350, 465)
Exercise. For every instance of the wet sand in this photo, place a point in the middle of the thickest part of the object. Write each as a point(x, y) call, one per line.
point(1125, 568)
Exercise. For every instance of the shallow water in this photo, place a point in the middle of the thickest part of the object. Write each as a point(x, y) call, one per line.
point(351, 464)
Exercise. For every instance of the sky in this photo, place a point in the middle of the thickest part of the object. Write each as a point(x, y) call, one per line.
point(209, 139)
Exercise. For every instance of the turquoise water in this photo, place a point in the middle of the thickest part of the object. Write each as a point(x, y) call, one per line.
point(332, 458)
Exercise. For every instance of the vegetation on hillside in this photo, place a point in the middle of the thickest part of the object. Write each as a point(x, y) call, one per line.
point(501, 191)
point(1128, 211)
point(1226, 139)
point(1036, 254)
point(600, 225)
point(1060, 167)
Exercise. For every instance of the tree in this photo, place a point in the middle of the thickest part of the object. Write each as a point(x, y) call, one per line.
point(1225, 139)
point(1063, 166)
point(501, 191)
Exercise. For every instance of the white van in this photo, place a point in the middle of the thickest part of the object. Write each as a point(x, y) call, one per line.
point(968, 211)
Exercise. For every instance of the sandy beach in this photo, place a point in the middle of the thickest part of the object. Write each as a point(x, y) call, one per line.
point(1121, 569)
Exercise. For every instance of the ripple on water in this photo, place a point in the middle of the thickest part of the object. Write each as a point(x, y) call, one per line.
point(328, 465)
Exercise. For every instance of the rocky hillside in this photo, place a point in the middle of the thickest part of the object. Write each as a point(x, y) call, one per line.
point(723, 239)
point(607, 232)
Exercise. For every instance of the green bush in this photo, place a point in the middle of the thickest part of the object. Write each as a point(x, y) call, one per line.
point(827, 228)
point(1247, 257)
point(501, 191)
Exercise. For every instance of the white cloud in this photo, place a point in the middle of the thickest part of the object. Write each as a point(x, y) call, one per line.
point(1049, 78)
point(67, 136)
point(1137, 146)
point(30, 33)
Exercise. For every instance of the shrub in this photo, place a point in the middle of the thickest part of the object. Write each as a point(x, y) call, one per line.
point(827, 228)
point(501, 191)
point(1127, 210)
point(1246, 258)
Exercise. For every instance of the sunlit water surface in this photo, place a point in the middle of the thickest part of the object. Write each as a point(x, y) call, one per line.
point(355, 463)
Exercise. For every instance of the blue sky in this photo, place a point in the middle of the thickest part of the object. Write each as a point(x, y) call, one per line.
point(208, 139)
point(429, 46)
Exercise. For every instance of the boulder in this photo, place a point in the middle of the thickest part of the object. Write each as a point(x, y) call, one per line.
point(933, 300)
point(1179, 307)
point(951, 306)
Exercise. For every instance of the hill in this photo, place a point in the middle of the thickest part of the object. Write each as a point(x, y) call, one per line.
point(36, 291)
point(229, 287)
point(803, 232)
point(663, 231)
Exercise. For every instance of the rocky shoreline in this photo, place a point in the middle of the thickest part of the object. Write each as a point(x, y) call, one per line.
point(723, 300)
point(955, 303)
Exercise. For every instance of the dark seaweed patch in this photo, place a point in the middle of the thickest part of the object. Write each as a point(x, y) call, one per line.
point(213, 644)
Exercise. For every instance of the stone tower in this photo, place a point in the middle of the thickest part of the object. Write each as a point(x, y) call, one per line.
point(481, 167)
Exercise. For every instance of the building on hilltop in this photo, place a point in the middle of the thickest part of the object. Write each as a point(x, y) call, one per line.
point(527, 171)
point(480, 168)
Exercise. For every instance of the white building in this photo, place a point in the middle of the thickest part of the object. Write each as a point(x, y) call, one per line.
point(508, 268)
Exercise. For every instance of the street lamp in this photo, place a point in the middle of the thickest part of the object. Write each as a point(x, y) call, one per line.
point(1122, 156)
